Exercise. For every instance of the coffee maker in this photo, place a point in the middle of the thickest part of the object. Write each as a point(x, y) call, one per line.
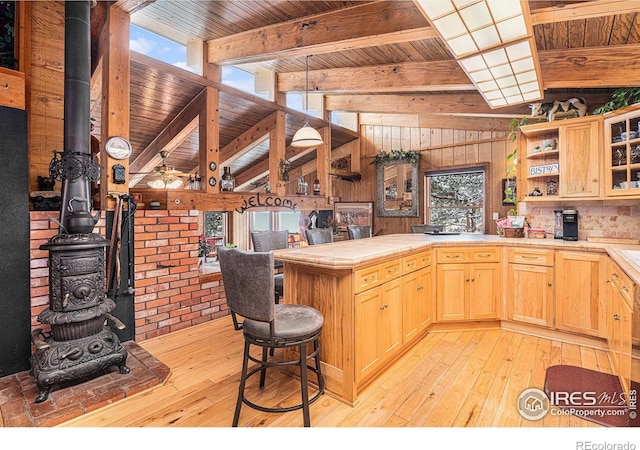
point(569, 225)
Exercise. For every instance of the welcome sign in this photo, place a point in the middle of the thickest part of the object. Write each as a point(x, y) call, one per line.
point(547, 169)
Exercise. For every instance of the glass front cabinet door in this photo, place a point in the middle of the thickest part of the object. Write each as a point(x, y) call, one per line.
point(622, 153)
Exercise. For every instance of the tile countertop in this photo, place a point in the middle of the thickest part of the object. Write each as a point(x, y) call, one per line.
point(359, 252)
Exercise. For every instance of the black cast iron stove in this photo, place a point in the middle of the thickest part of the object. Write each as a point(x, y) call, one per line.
point(80, 343)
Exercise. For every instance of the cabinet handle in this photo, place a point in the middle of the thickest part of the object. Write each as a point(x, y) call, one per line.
point(390, 271)
point(624, 288)
point(452, 256)
point(616, 317)
point(371, 278)
point(614, 275)
point(529, 257)
point(420, 288)
point(473, 279)
point(484, 255)
point(595, 180)
point(548, 284)
point(411, 264)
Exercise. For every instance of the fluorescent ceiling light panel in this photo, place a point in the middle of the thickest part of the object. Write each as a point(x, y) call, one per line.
point(492, 42)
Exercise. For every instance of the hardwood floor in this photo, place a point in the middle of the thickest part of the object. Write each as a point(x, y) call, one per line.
point(448, 379)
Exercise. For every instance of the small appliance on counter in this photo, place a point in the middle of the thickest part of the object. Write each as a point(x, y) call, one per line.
point(569, 225)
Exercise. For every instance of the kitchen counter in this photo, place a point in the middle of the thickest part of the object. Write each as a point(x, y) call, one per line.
point(342, 278)
point(352, 254)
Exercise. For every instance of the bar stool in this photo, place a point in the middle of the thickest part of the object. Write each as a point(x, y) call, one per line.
point(358, 231)
point(248, 284)
point(317, 236)
point(265, 241)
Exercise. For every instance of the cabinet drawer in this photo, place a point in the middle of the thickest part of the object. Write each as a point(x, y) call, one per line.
point(451, 255)
point(373, 276)
point(530, 256)
point(622, 283)
point(412, 263)
point(477, 254)
point(485, 254)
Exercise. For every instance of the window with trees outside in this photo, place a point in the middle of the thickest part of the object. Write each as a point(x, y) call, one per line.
point(456, 199)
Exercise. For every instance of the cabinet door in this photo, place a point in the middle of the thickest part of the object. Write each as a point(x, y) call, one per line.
point(625, 328)
point(410, 306)
point(580, 162)
point(391, 318)
point(426, 289)
point(484, 291)
point(530, 294)
point(451, 293)
point(368, 339)
point(578, 292)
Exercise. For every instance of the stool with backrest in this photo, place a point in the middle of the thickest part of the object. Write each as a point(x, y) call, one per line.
point(358, 231)
point(317, 236)
point(248, 284)
point(423, 228)
point(265, 241)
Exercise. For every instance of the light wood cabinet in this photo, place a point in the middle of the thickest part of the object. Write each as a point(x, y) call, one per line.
point(417, 302)
point(379, 330)
point(467, 289)
point(578, 292)
point(574, 165)
point(619, 322)
point(530, 286)
point(622, 153)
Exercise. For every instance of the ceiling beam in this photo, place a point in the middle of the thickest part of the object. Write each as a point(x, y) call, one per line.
point(583, 10)
point(405, 77)
point(612, 66)
point(346, 28)
point(249, 139)
point(174, 131)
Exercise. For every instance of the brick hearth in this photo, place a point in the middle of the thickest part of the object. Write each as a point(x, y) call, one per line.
point(18, 392)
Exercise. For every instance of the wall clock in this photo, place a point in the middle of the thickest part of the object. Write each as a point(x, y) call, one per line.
point(118, 147)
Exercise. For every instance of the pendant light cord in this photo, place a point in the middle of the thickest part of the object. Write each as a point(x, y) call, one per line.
point(306, 105)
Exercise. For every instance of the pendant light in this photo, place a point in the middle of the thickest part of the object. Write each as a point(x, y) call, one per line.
point(306, 136)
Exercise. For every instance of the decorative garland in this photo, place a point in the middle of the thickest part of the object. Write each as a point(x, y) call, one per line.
point(395, 155)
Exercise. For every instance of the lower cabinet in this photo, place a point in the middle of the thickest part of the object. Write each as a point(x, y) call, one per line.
point(578, 292)
point(417, 302)
point(379, 326)
point(619, 322)
point(468, 290)
point(530, 286)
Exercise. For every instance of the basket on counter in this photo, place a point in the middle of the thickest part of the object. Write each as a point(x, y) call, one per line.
point(510, 232)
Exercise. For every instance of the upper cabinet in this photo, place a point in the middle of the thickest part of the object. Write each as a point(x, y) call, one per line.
point(561, 160)
point(622, 152)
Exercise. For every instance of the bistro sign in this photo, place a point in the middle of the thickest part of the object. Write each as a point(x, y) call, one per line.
point(547, 169)
point(257, 201)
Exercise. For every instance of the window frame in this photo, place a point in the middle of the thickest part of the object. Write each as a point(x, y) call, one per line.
point(452, 170)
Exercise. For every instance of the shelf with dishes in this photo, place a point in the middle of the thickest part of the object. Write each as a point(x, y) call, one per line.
point(622, 153)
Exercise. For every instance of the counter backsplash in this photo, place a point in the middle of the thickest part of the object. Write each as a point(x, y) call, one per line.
point(608, 221)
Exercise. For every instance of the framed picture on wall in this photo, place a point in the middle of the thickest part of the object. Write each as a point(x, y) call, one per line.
point(353, 213)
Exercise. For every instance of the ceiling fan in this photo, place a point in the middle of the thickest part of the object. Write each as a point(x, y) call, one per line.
point(166, 176)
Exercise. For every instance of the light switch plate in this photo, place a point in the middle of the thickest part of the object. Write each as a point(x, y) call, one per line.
point(496, 216)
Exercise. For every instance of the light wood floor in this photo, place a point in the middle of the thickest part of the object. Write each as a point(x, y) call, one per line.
point(448, 379)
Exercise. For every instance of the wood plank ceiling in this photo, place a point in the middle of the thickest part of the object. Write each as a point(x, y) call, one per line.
point(368, 56)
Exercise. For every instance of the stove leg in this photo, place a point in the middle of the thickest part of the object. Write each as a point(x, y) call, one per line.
point(124, 369)
point(44, 394)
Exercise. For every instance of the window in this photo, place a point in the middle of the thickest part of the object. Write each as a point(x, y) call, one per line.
point(157, 47)
point(215, 227)
point(277, 221)
point(456, 199)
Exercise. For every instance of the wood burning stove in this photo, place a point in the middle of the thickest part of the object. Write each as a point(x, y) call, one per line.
point(80, 343)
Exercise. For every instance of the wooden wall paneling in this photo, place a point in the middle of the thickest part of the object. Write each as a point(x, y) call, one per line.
point(115, 100)
point(323, 159)
point(44, 71)
point(13, 85)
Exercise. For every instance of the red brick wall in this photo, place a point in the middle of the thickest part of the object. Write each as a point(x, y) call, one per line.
point(168, 293)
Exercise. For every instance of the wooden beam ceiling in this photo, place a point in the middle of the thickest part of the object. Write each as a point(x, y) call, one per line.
point(347, 28)
point(582, 10)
